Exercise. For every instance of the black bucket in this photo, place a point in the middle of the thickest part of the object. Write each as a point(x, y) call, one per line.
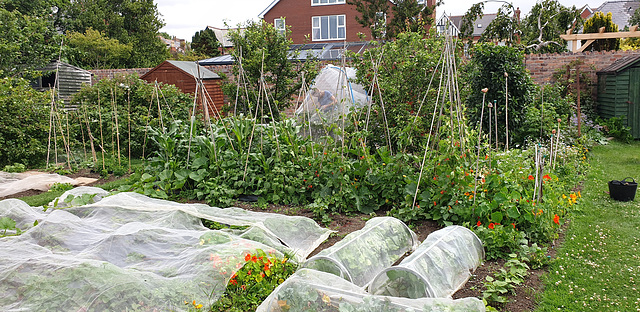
point(623, 190)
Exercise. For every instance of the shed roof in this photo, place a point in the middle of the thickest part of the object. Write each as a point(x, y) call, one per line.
point(620, 65)
point(58, 64)
point(189, 68)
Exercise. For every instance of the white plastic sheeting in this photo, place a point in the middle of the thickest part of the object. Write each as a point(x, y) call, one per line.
point(13, 183)
point(437, 269)
point(339, 82)
point(128, 252)
point(311, 290)
point(362, 254)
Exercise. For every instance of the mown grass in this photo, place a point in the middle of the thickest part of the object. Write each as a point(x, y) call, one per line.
point(598, 266)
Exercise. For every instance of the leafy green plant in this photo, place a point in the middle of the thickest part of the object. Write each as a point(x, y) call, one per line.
point(258, 277)
point(60, 187)
point(614, 127)
point(504, 281)
point(16, 167)
point(8, 224)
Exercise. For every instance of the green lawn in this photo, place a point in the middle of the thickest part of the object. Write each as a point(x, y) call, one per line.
point(597, 268)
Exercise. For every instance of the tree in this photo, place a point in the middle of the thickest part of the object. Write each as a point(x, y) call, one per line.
point(549, 19)
point(373, 14)
point(402, 79)
point(262, 58)
point(206, 43)
point(93, 50)
point(131, 22)
point(26, 42)
point(408, 15)
point(593, 25)
point(487, 68)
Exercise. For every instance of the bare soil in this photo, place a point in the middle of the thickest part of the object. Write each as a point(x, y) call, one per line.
point(523, 299)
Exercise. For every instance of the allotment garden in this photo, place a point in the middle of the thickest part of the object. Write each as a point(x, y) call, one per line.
point(470, 144)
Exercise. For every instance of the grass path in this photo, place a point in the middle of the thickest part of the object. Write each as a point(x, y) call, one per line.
point(598, 266)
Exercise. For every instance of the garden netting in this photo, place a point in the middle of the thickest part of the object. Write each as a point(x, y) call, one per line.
point(311, 290)
point(362, 254)
point(128, 252)
point(437, 269)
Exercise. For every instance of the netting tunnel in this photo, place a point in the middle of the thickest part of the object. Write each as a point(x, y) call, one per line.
point(362, 254)
point(437, 269)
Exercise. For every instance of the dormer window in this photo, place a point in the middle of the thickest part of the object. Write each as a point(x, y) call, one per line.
point(326, 2)
point(479, 25)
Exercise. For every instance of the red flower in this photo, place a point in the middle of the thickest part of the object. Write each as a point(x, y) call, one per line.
point(249, 273)
point(254, 259)
point(531, 177)
point(266, 267)
point(546, 177)
point(556, 219)
point(233, 282)
point(514, 225)
point(442, 192)
point(244, 287)
point(247, 257)
point(479, 223)
point(491, 226)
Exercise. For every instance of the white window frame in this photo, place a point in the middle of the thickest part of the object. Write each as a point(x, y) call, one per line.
point(340, 28)
point(283, 25)
point(326, 2)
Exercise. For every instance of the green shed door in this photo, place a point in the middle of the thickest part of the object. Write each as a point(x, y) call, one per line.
point(633, 119)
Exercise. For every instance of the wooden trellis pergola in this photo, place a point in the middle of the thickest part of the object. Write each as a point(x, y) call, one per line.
point(592, 37)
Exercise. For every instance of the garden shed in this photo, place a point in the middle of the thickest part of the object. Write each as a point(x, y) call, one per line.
point(184, 75)
point(70, 79)
point(619, 92)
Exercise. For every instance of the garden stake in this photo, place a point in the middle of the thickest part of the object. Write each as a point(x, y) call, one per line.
point(495, 116)
point(115, 114)
point(129, 123)
point(192, 121)
point(50, 127)
point(475, 180)
point(490, 106)
point(506, 109)
point(101, 134)
point(93, 150)
point(557, 139)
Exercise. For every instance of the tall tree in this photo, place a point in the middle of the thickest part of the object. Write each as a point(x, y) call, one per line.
point(505, 27)
point(549, 19)
point(93, 50)
point(205, 42)
point(263, 52)
point(408, 15)
point(593, 25)
point(27, 42)
point(134, 22)
point(373, 14)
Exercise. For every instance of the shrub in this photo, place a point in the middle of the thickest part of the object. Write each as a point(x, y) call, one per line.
point(24, 116)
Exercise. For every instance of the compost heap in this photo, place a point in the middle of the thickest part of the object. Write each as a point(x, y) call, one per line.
point(129, 252)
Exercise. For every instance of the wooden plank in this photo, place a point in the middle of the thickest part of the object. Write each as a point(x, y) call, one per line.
point(596, 36)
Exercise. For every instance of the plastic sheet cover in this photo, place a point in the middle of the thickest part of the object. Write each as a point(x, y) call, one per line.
point(13, 183)
point(362, 254)
point(437, 269)
point(311, 290)
point(128, 252)
point(338, 81)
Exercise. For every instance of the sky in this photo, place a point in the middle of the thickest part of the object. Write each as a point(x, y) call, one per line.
point(183, 18)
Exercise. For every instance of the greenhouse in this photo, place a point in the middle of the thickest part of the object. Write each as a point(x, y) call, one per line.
point(437, 269)
point(362, 254)
point(311, 290)
point(129, 252)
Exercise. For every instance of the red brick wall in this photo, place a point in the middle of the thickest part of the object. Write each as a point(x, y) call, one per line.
point(543, 66)
point(99, 74)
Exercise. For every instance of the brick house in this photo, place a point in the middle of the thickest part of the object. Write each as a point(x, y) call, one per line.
point(318, 21)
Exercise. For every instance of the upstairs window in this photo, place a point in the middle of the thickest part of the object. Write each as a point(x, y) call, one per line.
point(326, 2)
point(331, 27)
point(280, 25)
